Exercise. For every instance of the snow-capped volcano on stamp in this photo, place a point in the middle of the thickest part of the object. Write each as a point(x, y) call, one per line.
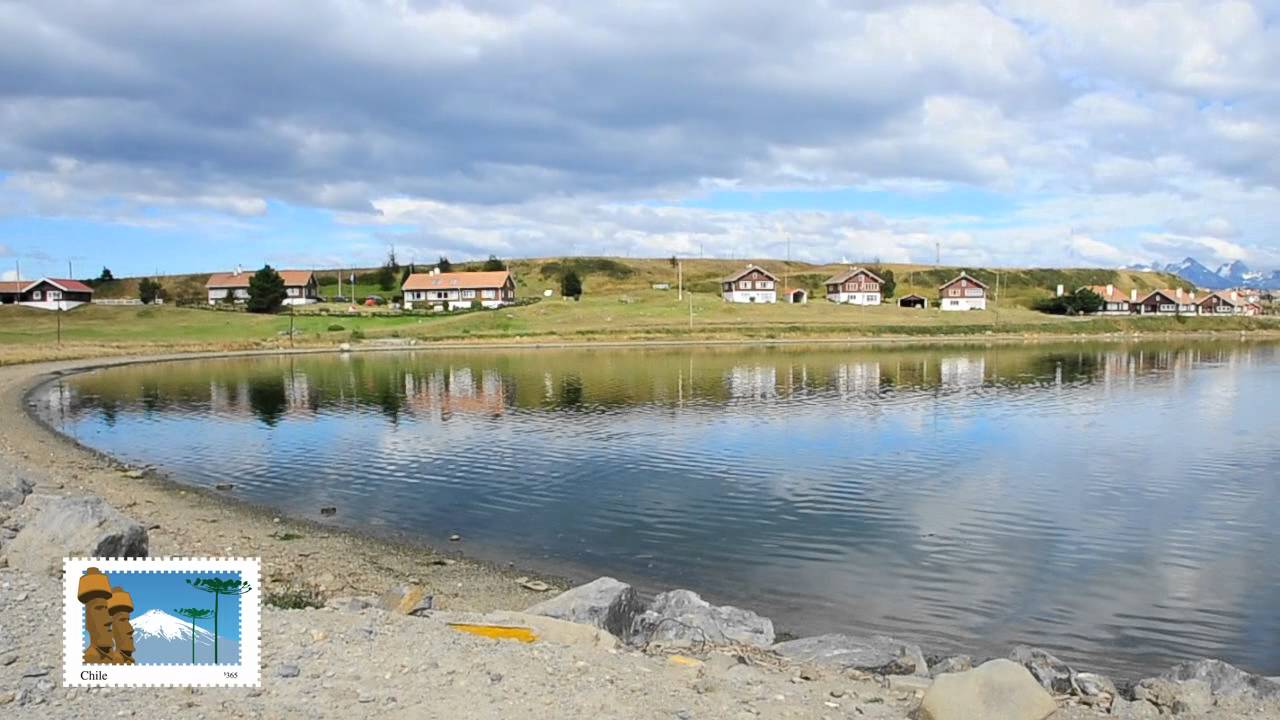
point(161, 621)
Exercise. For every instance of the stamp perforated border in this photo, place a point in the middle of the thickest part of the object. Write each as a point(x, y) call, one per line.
point(245, 673)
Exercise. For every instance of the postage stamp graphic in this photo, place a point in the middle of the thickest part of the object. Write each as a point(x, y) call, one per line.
point(161, 621)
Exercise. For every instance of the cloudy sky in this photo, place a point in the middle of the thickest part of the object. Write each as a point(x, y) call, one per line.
point(193, 136)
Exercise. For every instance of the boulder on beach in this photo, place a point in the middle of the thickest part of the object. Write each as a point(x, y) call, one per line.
point(1052, 674)
point(996, 690)
point(605, 603)
point(953, 664)
point(14, 490)
point(1224, 679)
point(682, 617)
point(58, 527)
point(876, 654)
point(1175, 696)
point(407, 599)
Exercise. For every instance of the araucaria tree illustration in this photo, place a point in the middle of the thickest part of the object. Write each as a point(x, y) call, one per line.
point(194, 614)
point(218, 588)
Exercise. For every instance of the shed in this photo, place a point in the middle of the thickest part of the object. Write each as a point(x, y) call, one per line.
point(914, 301)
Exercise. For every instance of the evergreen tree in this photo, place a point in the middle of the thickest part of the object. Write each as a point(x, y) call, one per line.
point(444, 265)
point(266, 291)
point(106, 276)
point(493, 264)
point(571, 285)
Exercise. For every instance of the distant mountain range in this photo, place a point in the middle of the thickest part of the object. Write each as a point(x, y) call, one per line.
point(159, 637)
point(1228, 275)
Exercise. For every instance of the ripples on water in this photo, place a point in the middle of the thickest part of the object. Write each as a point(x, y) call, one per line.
point(1115, 503)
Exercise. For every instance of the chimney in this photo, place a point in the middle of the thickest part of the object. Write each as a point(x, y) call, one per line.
point(1133, 295)
point(238, 270)
point(1178, 292)
point(1235, 296)
point(1111, 289)
point(1061, 291)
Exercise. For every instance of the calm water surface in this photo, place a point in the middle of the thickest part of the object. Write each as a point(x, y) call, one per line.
point(1119, 504)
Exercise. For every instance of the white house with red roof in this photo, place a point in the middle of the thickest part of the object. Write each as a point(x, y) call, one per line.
point(458, 290)
point(46, 293)
point(964, 292)
point(300, 287)
point(752, 284)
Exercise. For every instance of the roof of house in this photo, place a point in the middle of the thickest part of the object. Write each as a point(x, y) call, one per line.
point(734, 277)
point(12, 286)
point(292, 278)
point(461, 280)
point(963, 276)
point(1116, 295)
point(1224, 297)
point(788, 291)
point(842, 277)
point(1179, 297)
point(912, 295)
point(64, 285)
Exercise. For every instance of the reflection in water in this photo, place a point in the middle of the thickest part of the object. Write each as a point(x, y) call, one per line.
point(1115, 503)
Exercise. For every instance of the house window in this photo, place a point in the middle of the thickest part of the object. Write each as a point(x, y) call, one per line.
point(764, 285)
point(872, 287)
point(294, 292)
point(55, 294)
point(37, 295)
point(954, 292)
point(973, 292)
point(468, 294)
point(744, 285)
point(1164, 307)
point(488, 294)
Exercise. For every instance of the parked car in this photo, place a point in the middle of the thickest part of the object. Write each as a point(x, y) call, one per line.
point(374, 300)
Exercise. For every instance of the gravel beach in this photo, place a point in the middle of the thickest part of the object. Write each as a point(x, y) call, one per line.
point(354, 659)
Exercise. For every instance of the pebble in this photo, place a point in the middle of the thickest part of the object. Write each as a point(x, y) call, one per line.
point(35, 671)
point(288, 671)
point(455, 537)
point(364, 697)
point(8, 660)
point(6, 698)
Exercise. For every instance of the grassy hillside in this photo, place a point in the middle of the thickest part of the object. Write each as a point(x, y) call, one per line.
point(618, 276)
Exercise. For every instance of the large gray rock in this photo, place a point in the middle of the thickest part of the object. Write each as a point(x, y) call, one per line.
point(61, 527)
point(997, 690)
point(605, 603)
point(1175, 696)
point(1135, 710)
point(1052, 674)
point(681, 617)
point(876, 654)
point(954, 664)
point(13, 491)
point(1224, 679)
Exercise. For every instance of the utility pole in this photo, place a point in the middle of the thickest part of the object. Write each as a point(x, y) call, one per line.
point(937, 253)
point(679, 280)
point(291, 327)
point(690, 311)
point(59, 315)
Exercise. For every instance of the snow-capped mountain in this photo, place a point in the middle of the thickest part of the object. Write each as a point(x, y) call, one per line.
point(1228, 275)
point(162, 638)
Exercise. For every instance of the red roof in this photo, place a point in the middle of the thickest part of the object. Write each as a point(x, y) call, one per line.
point(12, 286)
point(292, 278)
point(1116, 295)
point(462, 280)
point(64, 285)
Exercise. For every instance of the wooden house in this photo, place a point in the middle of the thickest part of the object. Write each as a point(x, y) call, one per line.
point(855, 286)
point(752, 284)
point(1165, 302)
point(963, 292)
point(48, 293)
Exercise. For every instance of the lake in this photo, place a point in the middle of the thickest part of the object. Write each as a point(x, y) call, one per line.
point(1118, 504)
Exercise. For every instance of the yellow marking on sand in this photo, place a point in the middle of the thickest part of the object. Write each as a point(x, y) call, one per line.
point(497, 632)
point(685, 661)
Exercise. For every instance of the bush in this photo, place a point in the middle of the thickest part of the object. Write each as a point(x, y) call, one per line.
point(150, 290)
point(586, 266)
point(336, 328)
point(357, 335)
point(296, 599)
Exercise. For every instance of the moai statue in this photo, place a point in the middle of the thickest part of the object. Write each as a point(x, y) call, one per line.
point(94, 592)
point(121, 605)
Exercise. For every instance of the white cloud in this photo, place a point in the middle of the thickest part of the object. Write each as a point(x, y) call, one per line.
point(548, 124)
point(1094, 252)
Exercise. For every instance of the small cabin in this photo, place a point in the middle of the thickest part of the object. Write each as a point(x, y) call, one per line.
point(918, 302)
point(796, 296)
point(1167, 302)
point(752, 284)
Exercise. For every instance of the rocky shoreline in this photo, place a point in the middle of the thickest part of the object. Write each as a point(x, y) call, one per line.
point(358, 627)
